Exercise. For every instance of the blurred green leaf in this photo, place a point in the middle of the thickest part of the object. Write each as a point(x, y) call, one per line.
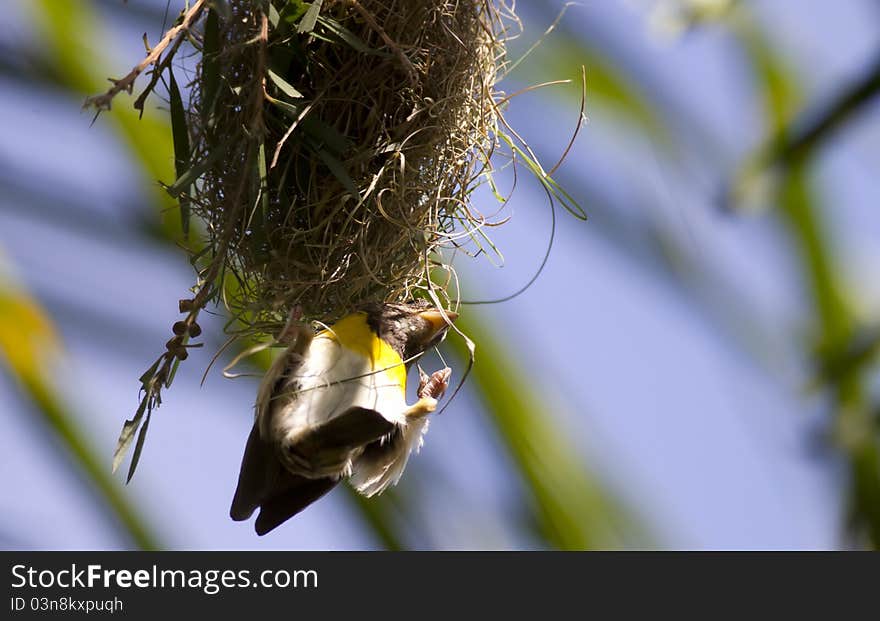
point(69, 32)
point(29, 346)
point(573, 510)
point(562, 56)
point(836, 325)
point(797, 139)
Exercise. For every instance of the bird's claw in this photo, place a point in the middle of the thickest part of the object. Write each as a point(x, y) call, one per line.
point(433, 386)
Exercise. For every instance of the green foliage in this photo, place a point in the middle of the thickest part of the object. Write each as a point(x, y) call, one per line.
point(572, 510)
point(837, 328)
point(29, 347)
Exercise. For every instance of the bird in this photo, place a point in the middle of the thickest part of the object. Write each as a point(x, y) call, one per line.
point(333, 406)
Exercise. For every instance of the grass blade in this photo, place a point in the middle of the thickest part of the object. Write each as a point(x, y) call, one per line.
point(180, 135)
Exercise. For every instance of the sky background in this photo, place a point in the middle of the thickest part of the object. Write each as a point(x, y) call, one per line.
point(712, 442)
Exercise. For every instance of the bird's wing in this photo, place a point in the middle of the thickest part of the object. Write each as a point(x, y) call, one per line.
point(326, 448)
point(259, 467)
point(292, 494)
point(265, 484)
point(354, 428)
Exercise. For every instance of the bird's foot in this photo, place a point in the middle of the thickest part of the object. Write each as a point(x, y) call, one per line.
point(434, 385)
point(421, 408)
point(431, 389)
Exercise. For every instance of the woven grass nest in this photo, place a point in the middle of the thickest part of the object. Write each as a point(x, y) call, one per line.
point(326, 155)
point(340, 170)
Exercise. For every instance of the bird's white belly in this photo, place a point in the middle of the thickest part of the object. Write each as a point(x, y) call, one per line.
point(330, 381)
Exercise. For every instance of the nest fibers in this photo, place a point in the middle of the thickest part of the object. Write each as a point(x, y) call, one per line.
point(334, 147)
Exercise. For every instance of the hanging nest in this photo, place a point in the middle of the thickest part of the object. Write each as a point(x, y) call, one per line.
point(327, 155)
point(335, 146)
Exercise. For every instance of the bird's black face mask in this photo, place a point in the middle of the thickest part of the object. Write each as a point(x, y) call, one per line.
point(410, 329)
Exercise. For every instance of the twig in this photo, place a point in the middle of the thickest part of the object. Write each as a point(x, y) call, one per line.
point(157, 73)
point(287, 134)
point(161, 373)
point(102, 102)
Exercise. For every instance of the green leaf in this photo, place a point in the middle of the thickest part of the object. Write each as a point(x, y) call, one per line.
point(293, 11)
point(274, 17)
point(129, 428)
point(69, 38)
point(180, 135)
point(66, 26)
point(340, 33)
point(285, 87)
point(292, 109)
point(565, 199)
point(183, 183)
point(28, 338)
point(136, 456)
point(321, 134)
point(257, 219)
point(326, 135)
point(172, 372)
point(210, 68)
point(310, 18)
point(778, 85)
point(557, 191)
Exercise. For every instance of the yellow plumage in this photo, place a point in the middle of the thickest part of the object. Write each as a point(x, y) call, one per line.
point(352, 332)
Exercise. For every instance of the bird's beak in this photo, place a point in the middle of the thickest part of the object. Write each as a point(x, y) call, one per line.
point(436, 318)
